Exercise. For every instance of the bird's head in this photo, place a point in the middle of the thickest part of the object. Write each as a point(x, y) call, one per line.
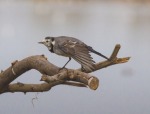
point(48, 42)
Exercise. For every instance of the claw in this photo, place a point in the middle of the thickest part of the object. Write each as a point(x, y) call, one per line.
point(61, 69)
point(82, 69)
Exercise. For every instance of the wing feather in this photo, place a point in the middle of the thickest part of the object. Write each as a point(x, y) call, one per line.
point(78, 52)
point(85, 64)
point(85, 56)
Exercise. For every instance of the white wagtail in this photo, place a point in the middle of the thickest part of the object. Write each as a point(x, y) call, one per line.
point(72, 48)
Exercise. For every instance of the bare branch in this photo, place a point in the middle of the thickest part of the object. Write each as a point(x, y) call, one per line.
point(73, 75)
point(34, 62)
point(21, 87)
point(115, 52)
point(113, 60)
point(51, 74)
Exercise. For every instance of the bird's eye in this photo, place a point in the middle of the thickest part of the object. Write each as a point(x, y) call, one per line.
point(46, 41)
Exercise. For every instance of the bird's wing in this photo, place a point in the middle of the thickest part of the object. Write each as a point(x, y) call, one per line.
point(78, 52)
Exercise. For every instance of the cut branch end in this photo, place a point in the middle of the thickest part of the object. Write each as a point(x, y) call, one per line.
point(93, 83)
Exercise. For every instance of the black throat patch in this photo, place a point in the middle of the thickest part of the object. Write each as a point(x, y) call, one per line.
point(52, 50)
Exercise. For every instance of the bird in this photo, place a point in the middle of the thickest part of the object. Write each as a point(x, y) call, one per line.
point(73, 48)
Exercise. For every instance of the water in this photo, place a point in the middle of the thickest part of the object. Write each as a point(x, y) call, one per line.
point(124, 89)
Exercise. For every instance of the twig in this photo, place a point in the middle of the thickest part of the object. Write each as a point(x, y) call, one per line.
point(113, 60)
point(35, 98)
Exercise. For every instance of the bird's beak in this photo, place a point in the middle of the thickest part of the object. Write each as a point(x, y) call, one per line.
point(42, 42)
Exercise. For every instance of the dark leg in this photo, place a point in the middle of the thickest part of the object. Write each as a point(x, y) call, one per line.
point(66, 63)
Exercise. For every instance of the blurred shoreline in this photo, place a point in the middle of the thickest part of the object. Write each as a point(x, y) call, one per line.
point(83, 1)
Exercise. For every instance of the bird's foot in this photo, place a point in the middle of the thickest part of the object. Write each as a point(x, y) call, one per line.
point(82, 69)
point(61, 69)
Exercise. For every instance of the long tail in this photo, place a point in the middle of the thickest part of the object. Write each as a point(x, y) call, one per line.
point(92, 50)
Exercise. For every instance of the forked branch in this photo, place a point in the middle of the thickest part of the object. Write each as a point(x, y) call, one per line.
point(51, 74)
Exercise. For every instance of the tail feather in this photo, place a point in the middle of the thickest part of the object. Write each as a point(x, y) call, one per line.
point(92, 50)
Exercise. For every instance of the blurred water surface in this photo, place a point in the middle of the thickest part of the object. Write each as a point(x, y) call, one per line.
point(124, 89)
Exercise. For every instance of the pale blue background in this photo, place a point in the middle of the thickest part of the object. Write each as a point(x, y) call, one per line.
point(124, 89)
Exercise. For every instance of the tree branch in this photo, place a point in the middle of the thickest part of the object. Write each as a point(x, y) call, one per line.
point(113, 60)
point(73, 75)
point(38, 62)
point(51, 74)
point(21, 87)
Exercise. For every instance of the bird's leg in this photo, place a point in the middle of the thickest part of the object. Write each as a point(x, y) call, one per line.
point(66, 63)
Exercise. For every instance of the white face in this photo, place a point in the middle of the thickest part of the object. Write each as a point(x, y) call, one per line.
point(47, 42)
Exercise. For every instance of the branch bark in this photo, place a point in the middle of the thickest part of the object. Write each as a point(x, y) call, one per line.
point(51, 74)
point(73, 75)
